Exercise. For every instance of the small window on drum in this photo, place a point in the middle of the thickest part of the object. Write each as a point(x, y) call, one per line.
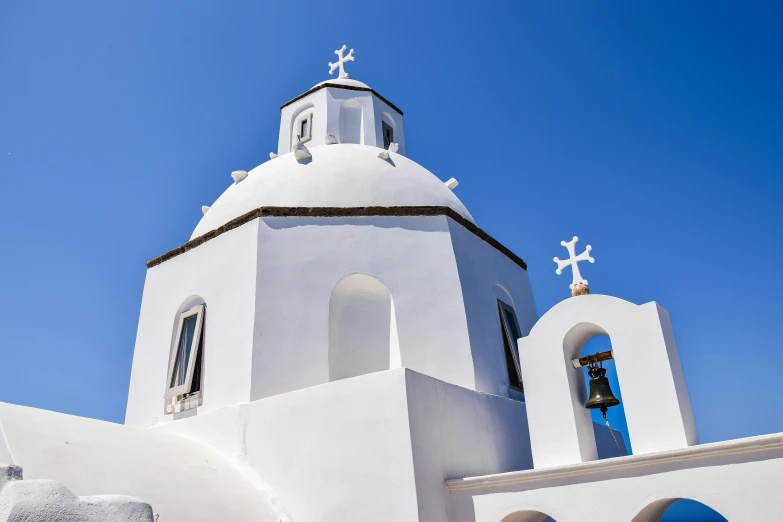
point(305, 130)
point(388, 134)
point(183, 382)
point(510, 333)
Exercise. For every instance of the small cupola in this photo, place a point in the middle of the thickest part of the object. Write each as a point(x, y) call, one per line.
point(338, 111)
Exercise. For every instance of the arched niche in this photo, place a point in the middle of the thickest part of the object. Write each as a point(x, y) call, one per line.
point(350, 122)
point(676, 509)
point(362, 328)
point(657, 407)
point(528, 516)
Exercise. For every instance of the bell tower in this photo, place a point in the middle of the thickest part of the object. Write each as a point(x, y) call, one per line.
point(342, 110)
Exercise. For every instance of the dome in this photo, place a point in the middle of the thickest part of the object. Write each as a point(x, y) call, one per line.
point(343, 81)
point(344, 175)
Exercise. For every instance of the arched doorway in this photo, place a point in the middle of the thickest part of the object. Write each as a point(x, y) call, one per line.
point(362, 328)
point(678, 510)
point(528, 516)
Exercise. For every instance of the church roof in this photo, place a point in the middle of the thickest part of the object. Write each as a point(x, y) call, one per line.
point(341, 175)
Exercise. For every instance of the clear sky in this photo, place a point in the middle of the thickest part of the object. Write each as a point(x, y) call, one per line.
point(652, 130)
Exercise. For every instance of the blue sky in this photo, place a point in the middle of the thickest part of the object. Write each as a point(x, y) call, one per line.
point(652, 130)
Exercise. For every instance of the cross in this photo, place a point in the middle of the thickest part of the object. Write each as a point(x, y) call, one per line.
point(573, 260)
point(341, 61)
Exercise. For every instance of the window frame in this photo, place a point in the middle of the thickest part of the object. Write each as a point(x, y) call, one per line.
point(384, 126)
point(512, 343)
point(183, 389)
point(309, 119)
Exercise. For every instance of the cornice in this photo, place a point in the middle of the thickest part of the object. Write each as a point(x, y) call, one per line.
point(713, 450)
point(339, 212)
point(346, 87)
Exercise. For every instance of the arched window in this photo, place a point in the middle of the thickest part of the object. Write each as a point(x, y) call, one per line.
point(362, 328)
point(387, 129)
point(183, 379)
point(509, 331)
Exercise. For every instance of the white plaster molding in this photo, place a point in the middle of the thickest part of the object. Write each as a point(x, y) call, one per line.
point(384, 155)
point(272, 155)
point(394, 147)
point(712, 451)
point(204, 209)
point(451, 183)
point(330, 140)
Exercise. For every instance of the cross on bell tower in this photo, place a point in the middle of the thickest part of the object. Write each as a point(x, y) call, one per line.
point(341, 61)
point(579, 285)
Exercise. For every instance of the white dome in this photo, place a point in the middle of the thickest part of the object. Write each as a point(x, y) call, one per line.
point(344, 81)
point(344, 175)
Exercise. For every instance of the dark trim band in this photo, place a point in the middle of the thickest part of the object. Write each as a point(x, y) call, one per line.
point(346, 87)
point(339, 212)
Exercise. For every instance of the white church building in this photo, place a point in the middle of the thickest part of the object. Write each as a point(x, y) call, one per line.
point(340, 341)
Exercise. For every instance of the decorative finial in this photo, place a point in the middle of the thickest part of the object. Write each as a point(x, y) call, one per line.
point(579, 286)
point(451, 183)
point(301, 153)
point(238, 175)
point(341, 61)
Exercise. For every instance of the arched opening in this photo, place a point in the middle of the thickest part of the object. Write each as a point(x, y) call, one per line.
point(388, 129)
point(350, 122)
point(295, 127)
point(606, 443)
point(528, 516)
point(362, 328)
point(185, 376)
point(509, 333)
point(678, 510)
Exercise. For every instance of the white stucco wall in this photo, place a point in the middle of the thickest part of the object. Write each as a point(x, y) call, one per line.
point(223, 272)
point(268, 286)
point(456, 433)
point(301, 260)
point(183, 480)
point(337, 452)
point(485, 275)
point(374, 447)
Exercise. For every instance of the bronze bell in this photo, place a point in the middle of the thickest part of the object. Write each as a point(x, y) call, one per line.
point(601, 395)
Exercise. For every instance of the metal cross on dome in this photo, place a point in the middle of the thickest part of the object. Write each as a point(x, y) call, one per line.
point(340, 61)
point(573, 261)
